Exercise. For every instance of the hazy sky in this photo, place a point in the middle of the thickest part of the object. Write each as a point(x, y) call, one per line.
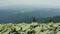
point(55, 3)
point(30, 4)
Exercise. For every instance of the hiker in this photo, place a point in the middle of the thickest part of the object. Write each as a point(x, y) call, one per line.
point(33, 19)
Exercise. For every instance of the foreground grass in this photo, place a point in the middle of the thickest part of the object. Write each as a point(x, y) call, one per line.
point(32, 28)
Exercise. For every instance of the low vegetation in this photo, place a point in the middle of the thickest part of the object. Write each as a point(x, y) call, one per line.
point(31, 28)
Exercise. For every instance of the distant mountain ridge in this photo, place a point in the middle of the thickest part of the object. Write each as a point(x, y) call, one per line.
point(10, 15)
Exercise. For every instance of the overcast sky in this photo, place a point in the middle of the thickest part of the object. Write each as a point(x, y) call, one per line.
point(35, 3)
point(54, 3)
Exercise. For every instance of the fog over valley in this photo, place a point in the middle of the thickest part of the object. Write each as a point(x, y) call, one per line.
point(17, 9)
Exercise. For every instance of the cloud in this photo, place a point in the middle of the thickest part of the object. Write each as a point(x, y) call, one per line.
point(31, 5)
point(30, 2)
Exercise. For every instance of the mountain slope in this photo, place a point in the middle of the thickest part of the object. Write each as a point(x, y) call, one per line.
point(12, 15)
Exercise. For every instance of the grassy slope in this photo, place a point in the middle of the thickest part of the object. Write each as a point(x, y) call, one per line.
point(35, 28)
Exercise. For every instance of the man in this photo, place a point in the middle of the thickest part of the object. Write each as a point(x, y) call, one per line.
point(33, 19)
